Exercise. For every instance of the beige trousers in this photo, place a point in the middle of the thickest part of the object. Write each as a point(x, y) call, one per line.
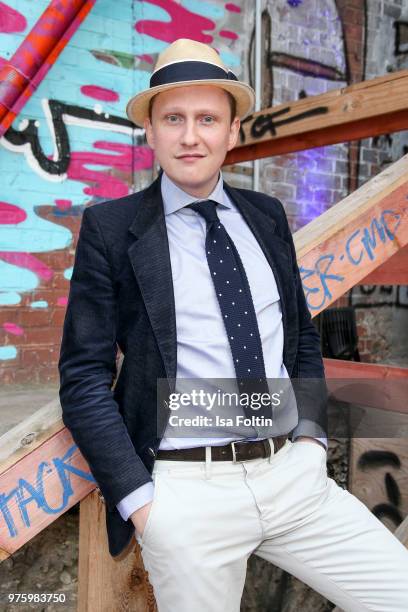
point(207, 518)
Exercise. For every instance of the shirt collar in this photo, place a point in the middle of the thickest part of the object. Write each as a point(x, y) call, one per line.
point(175, 199)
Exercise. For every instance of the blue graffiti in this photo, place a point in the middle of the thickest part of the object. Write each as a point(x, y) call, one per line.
point(379, 231)
point(26, 493)
point(320, 271)
point(361, 244)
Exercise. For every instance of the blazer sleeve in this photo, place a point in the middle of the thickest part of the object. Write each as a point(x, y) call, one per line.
point(87, 368)
point(309, 384)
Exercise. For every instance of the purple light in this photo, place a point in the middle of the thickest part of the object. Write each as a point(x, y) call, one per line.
point(294, 3)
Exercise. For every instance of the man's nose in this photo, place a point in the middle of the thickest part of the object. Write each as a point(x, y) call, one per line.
point(190, 133)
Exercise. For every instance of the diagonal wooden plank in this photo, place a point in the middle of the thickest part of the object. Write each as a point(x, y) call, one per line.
point(394, 271)
point(368, 108)
point(338, 249)
point(23, 438)
point(39, 488)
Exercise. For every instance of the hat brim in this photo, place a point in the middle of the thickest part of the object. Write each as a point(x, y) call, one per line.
point(137, 109)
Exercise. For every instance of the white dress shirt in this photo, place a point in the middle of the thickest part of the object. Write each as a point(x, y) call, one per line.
point(203, 350)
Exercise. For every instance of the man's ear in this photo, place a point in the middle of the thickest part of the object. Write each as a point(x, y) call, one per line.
point(234, 132)
point(147, 124)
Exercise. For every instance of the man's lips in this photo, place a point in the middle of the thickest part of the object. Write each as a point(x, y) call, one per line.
point(189, 156)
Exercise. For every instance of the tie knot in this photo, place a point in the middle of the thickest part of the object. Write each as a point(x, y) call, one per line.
point(207, 209)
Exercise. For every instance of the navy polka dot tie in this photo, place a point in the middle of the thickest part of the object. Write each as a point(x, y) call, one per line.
point(235, 300)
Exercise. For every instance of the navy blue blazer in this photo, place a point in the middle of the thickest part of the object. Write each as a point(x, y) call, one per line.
point(121, 295)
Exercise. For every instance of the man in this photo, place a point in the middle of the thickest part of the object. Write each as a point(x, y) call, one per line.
point(193, 279)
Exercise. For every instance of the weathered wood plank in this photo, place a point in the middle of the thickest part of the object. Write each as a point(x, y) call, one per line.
point(368, 108)
point(23, 438)
point(40, 487)
point(337, 368)
point(104, 583)
point(338, 249)
point(394, 271)
point(372, 386)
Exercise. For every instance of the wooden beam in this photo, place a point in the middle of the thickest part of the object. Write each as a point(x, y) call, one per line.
point(338, 249)
point(369, 108)
point(338, 368)
point(392, 272)
point(40, 487)
point(368, 384)
point(23, 438)
point(104, 583)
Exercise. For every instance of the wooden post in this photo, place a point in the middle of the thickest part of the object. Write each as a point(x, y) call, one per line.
point(106, 583)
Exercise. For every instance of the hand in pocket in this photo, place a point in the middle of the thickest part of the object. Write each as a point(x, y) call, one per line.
point(139, 518)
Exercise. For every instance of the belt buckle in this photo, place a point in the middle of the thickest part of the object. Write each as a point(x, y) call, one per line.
point(234, 454)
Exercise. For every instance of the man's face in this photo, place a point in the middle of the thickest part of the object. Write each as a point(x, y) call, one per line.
point(191, 131)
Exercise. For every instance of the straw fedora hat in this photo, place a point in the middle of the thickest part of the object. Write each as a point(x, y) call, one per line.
point(188, 62)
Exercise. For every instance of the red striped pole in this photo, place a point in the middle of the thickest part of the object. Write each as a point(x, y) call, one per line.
point(20, 77)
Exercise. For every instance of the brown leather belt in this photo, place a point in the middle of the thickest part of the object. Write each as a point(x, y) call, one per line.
point(235, 451)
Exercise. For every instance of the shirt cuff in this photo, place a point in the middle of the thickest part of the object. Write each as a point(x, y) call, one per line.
point(309, 428)
point(322, 440)
point(135, 500)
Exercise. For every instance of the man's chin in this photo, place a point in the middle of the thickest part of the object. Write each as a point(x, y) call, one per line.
point(191, 182)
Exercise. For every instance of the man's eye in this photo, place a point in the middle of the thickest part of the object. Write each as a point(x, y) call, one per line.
point(173, 118)
point(208, 119)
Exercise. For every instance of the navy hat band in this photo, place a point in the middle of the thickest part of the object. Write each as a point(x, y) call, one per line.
point(189, 71)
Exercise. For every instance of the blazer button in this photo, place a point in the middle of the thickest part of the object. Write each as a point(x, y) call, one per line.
point(151, 452)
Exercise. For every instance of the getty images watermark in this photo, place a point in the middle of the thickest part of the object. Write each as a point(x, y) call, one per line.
point(333, 407)
point(225, 407)
point(208, 401)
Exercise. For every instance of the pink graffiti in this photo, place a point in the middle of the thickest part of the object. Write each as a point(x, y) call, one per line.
point(145, 58)
point(229, 34)
point(62, 301)
point(11, 20)
point(100, 93)
point(63, 204)
point(9, 213)
point(183, 24)
point(234, 8)
point(26, 260)
point(14, 329)
point(108, 185)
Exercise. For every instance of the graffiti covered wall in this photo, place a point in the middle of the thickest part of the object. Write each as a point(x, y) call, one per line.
point(72, 146)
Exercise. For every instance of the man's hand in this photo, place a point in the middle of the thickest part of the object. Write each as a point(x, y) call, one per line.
point(139, 518)
point(309, 439)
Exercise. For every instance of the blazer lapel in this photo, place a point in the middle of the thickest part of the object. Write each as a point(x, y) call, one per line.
point(150, 259)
